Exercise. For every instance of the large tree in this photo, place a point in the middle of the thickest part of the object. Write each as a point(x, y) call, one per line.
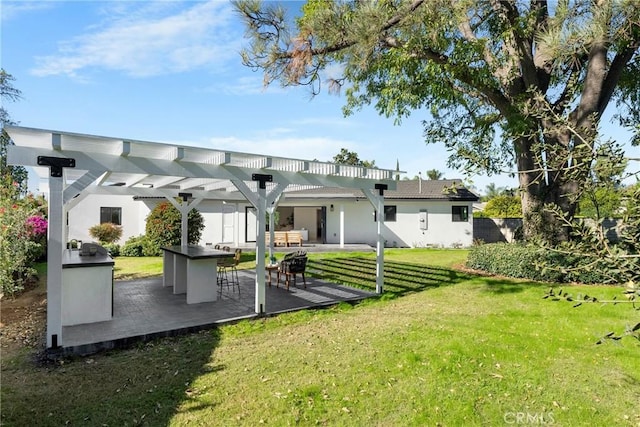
point(9, 175)
point(506, 83)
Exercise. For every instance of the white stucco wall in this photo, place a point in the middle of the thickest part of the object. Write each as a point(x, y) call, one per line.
point(359, 225)
point(86, 214)
point(214, 220)
point(441, 230)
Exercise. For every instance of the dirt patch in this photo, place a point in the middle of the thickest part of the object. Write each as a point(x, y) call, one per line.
point(23, 320)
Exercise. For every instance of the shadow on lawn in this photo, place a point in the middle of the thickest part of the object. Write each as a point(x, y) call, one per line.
point(399, 278)
point(143, 385)
point(499, 286)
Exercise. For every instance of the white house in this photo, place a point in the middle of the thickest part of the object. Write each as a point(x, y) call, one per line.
point(419, 213)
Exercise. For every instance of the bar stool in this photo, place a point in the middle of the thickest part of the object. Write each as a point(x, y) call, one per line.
point(227, 271)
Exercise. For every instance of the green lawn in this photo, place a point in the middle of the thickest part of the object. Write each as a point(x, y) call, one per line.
point(451, 349)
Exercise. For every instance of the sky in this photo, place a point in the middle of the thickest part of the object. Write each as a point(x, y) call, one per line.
point(170, 71)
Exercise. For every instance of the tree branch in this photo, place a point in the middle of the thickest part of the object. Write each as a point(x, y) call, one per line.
point(615, 71)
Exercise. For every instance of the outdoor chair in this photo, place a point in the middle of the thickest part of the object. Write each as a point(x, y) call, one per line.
point(227, 270)
point(292, 264)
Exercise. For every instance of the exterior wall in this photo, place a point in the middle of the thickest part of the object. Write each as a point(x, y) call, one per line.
point(213, 213)
point(86, 214)
point(359, 225)
point(358, 222)
point(440, 230)
point(134, 213)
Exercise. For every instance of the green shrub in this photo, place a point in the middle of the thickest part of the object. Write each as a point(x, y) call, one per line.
point(150, 248)
point(114, 249)
point(512, 260)
point(163, 227)
point(133, 246)
point(504, 206)
point(527, 261)
point(106, 232)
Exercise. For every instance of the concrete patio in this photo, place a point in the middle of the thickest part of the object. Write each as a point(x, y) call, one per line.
point(144, 310)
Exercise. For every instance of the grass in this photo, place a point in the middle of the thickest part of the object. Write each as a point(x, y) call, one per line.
point(454, 350)
point(129, 268)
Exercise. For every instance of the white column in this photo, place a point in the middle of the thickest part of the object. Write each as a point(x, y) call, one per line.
point(260, 201)
point(260, 300)
point(380, 246)
point(377, 201)
point(341, 225)
point(184, 227)
point(184, 208)
point(54, 263)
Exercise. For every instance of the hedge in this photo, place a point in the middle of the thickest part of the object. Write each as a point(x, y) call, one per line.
point(526, 261)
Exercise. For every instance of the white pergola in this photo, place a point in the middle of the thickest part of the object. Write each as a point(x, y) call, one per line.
point(77, 165)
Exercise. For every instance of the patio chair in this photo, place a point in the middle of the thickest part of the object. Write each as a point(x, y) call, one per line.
point(292, 264)
point(227, 271)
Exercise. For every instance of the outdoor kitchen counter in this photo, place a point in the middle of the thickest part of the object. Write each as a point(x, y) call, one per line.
point(87, 288)
point(72, 259)
point(193, 270)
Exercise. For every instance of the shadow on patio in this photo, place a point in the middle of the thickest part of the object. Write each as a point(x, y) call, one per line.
point(144, 310)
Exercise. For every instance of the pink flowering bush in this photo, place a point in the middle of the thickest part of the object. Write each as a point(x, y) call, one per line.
point(36, 226)
point(22, 239)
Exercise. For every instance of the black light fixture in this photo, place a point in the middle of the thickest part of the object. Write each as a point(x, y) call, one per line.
point(331, 207)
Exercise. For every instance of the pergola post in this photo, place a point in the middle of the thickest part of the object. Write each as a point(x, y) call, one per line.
point(54, 263)
point(55, 236)
point(260, 300)
point(380, 246)
point(184, 208)
point(377, 200)
point(260, 201)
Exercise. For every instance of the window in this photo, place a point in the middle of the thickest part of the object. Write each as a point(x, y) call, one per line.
point(113, 215)
point(459, 213)
point(389, 214)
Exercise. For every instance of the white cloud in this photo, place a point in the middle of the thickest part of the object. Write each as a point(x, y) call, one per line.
point(12, 9)
point(146, 42)
point(332, 122)
point(243, 86)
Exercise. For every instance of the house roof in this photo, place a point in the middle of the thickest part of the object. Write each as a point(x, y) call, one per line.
point(416, 189)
